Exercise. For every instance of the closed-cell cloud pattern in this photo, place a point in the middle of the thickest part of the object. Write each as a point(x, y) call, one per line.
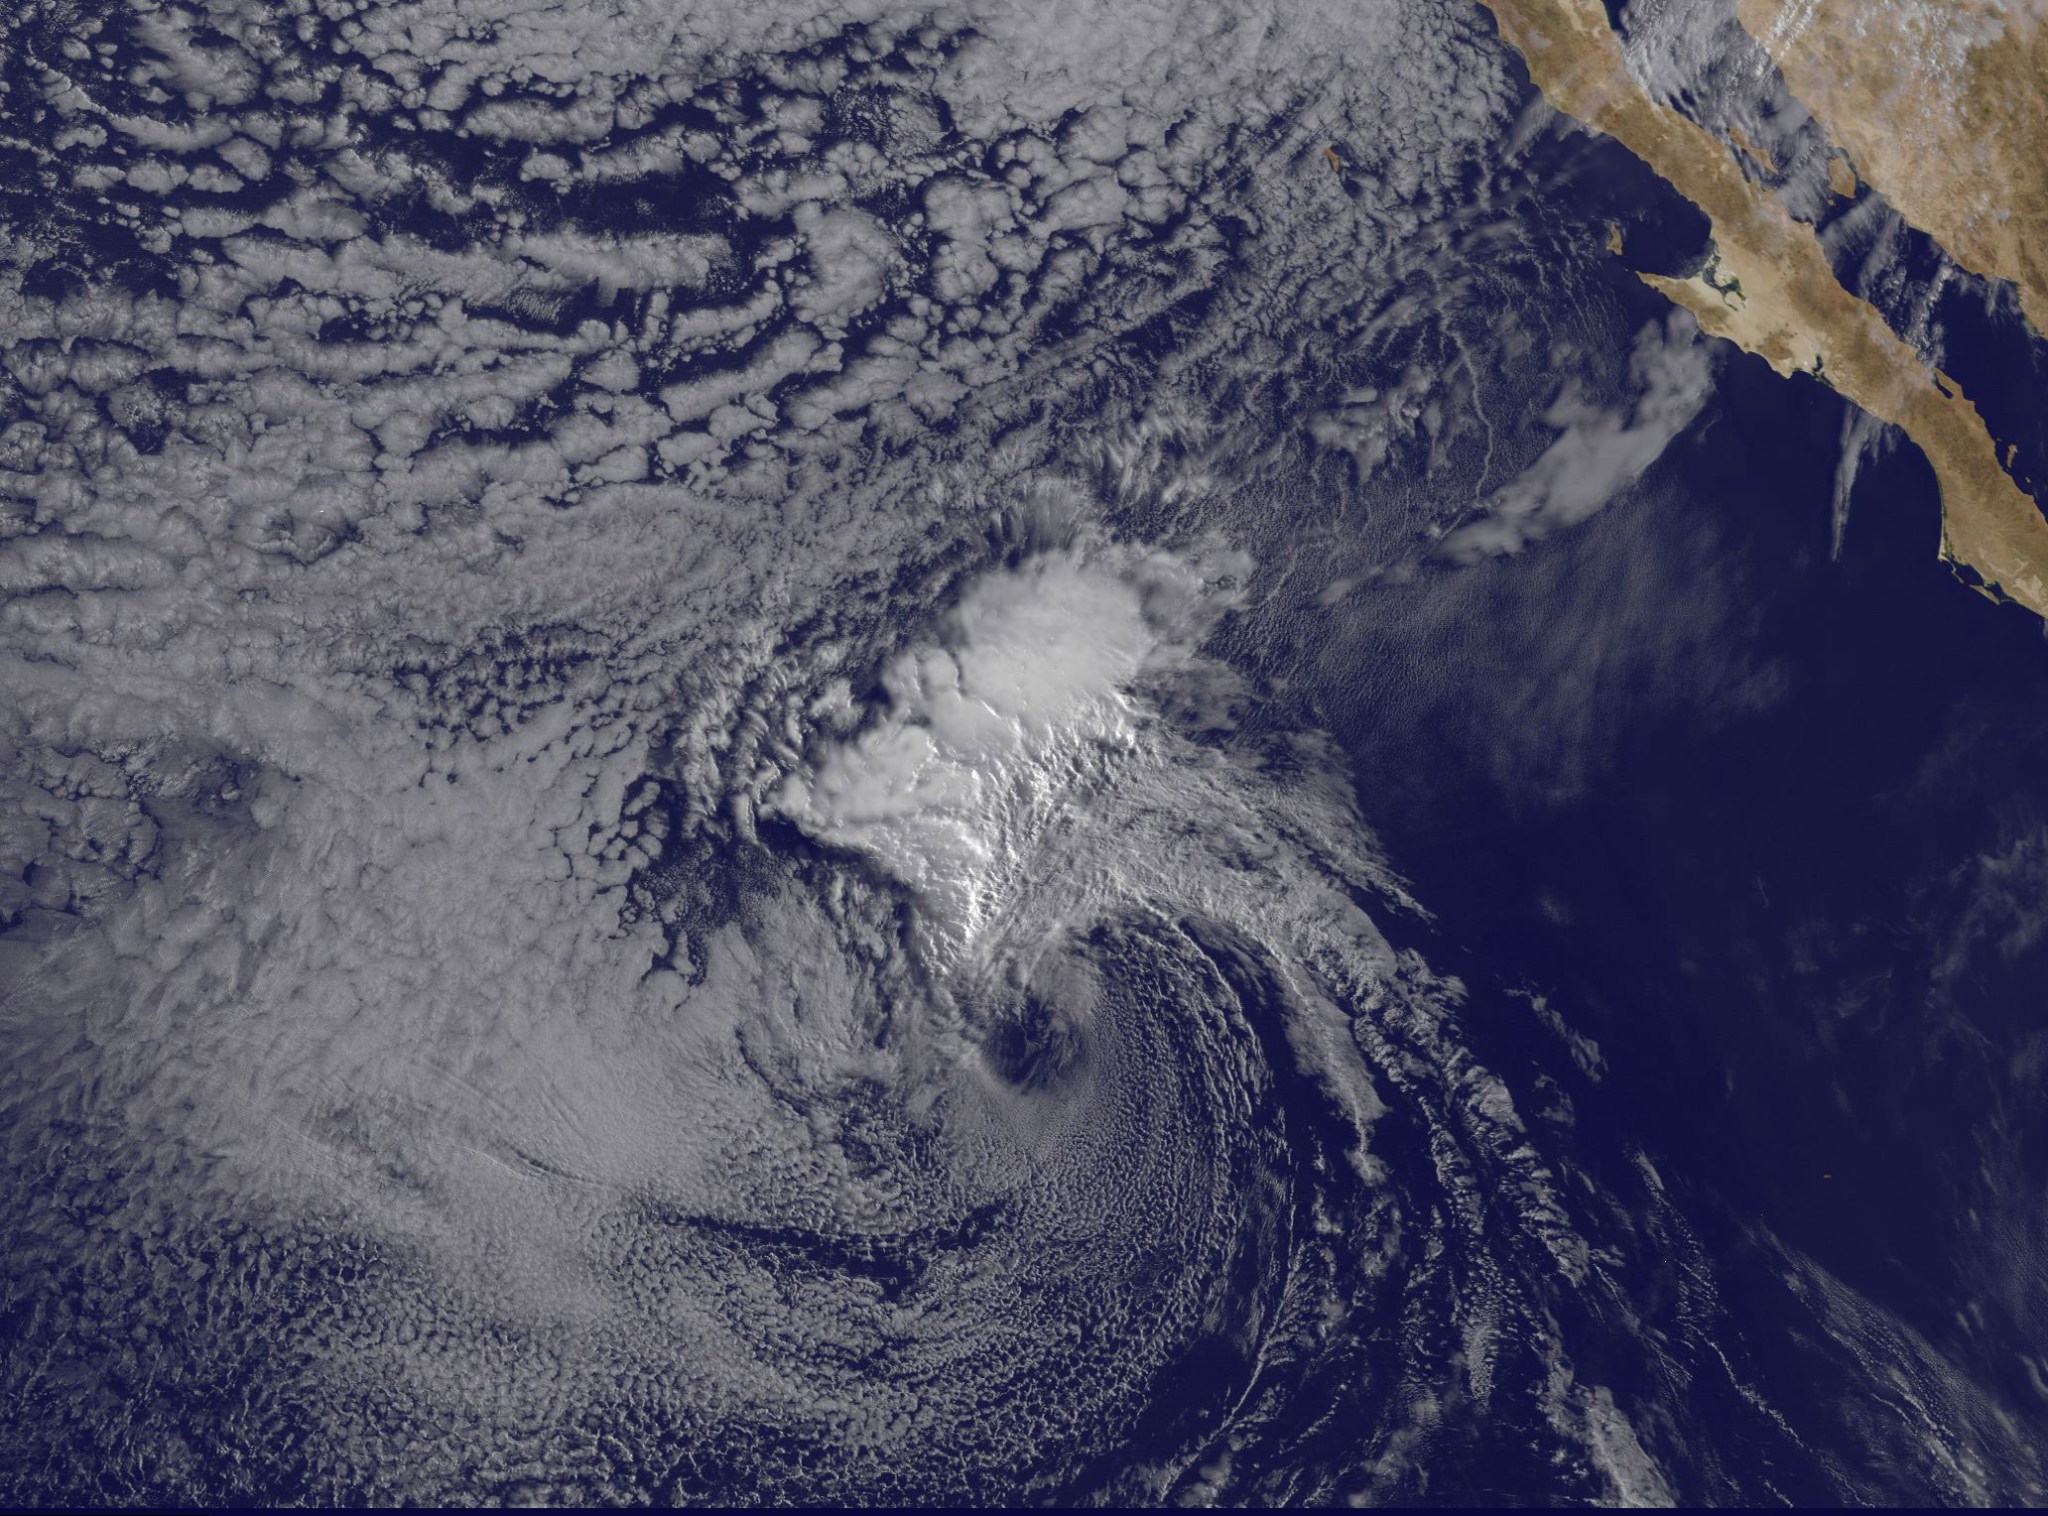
point(641, 859)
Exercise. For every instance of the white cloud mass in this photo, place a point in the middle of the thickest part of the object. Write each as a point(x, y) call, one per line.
point(462, 461)
point(622, 877)
point(1599, 452)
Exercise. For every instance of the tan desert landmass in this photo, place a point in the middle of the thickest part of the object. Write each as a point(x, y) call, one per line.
point(1943, 107)
point(1771, 291)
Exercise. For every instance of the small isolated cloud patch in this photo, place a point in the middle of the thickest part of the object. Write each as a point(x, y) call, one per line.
point(1599, 452)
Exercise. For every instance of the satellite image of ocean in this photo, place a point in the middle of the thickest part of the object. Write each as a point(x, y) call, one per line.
point(1023, 753)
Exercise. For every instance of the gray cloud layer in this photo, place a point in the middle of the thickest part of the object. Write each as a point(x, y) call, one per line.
point(556, 584)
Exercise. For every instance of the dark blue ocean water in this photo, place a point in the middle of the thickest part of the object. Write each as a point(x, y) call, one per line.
point(1726, 800)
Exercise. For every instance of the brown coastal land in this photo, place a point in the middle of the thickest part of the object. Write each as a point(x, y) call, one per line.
point(1771, 291)
point(1943, 108)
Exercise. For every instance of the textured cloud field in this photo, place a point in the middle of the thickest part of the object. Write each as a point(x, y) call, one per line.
point(630, 870)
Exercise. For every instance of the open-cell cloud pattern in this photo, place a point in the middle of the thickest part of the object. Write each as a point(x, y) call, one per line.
point(620, 883)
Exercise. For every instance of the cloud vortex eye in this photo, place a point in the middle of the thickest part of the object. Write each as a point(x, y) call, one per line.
point(1027, 1108)
point(689, 698)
